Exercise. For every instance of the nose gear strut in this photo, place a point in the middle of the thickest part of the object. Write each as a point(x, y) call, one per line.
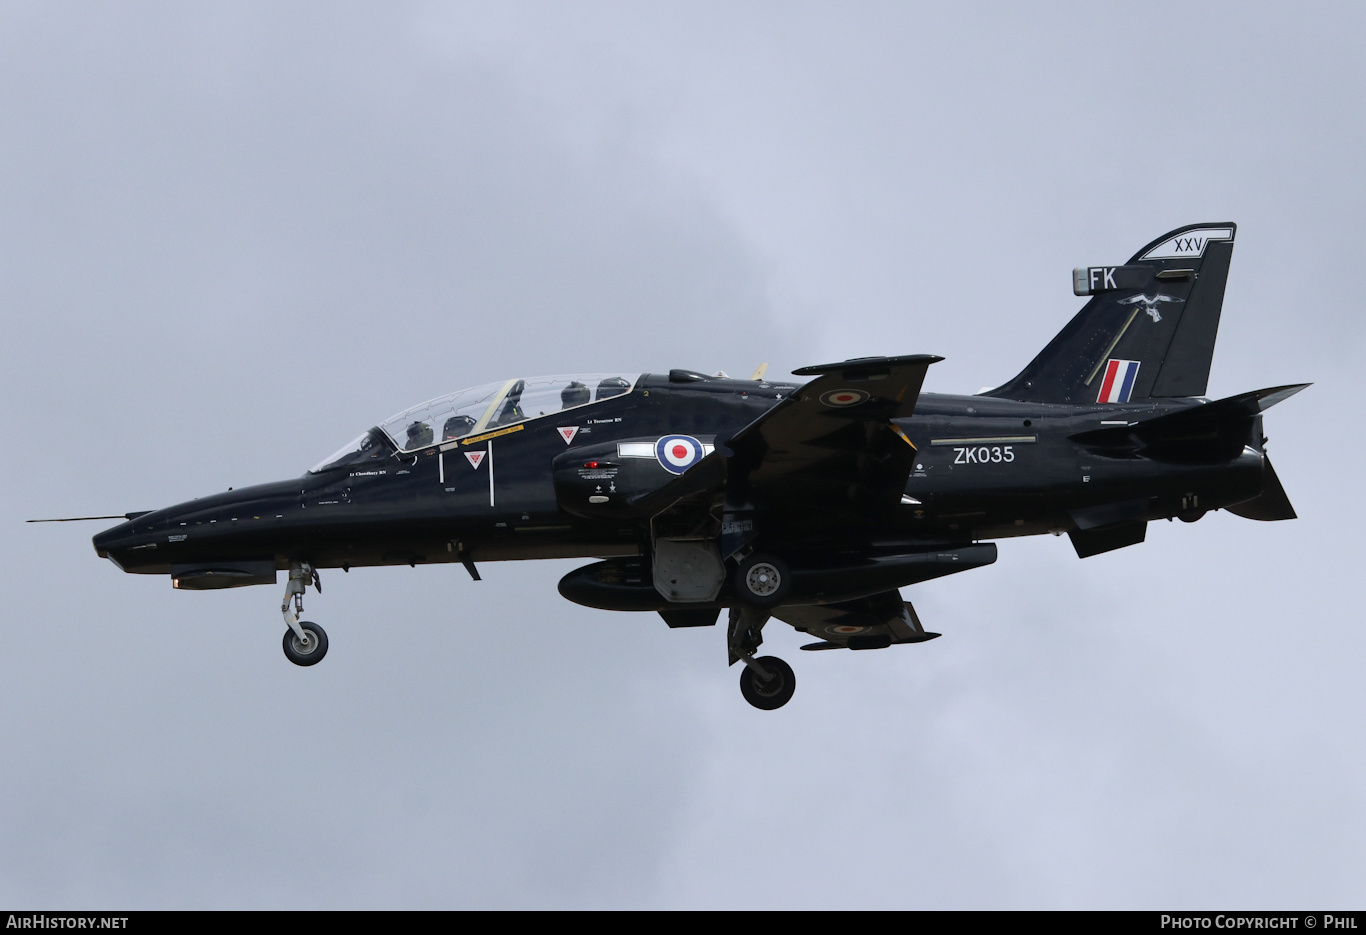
point(305, 642)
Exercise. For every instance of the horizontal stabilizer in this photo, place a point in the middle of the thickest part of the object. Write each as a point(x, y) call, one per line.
point(1272, 505)
point(1244, 405)
point(1217, 429)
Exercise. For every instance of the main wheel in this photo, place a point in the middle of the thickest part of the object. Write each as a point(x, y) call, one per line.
point(773, 693)
point(310, 653)
point(763, 580)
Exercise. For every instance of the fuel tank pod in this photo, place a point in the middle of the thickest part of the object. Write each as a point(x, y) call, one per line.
point(616, 584)
point(627, 583)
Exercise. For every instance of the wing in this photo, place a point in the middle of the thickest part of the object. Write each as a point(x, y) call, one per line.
point(830, 449)
point(1132, 299)
point(867, 623)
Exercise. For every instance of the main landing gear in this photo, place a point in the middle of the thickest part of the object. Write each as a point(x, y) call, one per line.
point(766, 682)
point(305, 642)
point(763, 580)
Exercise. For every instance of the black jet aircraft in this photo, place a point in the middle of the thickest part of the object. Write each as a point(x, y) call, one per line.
point(812, 504)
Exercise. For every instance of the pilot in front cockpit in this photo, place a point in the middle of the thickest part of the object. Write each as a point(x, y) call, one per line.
point(419, 434)
point(575, 394)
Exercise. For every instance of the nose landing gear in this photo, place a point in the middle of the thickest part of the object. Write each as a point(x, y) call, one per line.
point(305, 642)
point(308, 651)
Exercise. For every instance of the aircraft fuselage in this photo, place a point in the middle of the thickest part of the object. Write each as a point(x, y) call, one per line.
point(985, 468)
point(813, 505)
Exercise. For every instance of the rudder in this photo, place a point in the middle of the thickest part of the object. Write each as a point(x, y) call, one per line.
point(1148, 330)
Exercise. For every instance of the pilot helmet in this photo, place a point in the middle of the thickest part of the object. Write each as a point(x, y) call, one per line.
point(419, 433)
point(575, 394)
point(612, 386)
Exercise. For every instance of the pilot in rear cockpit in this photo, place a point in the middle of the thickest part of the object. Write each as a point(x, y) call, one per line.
point(613, 386)
point(457, 427)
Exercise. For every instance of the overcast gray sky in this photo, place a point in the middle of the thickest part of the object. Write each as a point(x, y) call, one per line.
point(234, 235)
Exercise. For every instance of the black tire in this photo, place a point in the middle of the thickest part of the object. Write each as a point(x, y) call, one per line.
point(763, 580)
point(1190, 516)
point(771, 694)
point(306, 655)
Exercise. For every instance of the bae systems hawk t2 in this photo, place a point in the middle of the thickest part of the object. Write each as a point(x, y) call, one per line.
point(811, 504)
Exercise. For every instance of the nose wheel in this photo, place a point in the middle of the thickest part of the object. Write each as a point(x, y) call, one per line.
point(308, 651)
point(767, 682)
point(305, 642)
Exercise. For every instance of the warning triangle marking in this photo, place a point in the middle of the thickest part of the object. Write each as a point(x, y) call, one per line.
point(567, 432)
point(476, 458)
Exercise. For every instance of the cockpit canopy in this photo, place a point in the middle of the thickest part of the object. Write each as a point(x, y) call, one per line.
point(466, 412)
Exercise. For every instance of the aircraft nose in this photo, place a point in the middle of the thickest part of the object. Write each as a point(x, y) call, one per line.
point(121, 543)
point(112, 539)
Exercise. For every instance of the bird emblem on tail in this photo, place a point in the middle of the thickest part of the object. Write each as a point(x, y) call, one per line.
point(1150, 304)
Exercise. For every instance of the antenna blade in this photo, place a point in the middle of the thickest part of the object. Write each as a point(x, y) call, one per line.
point(759, 372)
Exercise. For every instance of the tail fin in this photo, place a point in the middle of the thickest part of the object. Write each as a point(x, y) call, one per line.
point(1148, 330)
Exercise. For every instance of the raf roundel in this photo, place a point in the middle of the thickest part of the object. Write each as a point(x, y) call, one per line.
point(844, 397)
point(678, 452)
